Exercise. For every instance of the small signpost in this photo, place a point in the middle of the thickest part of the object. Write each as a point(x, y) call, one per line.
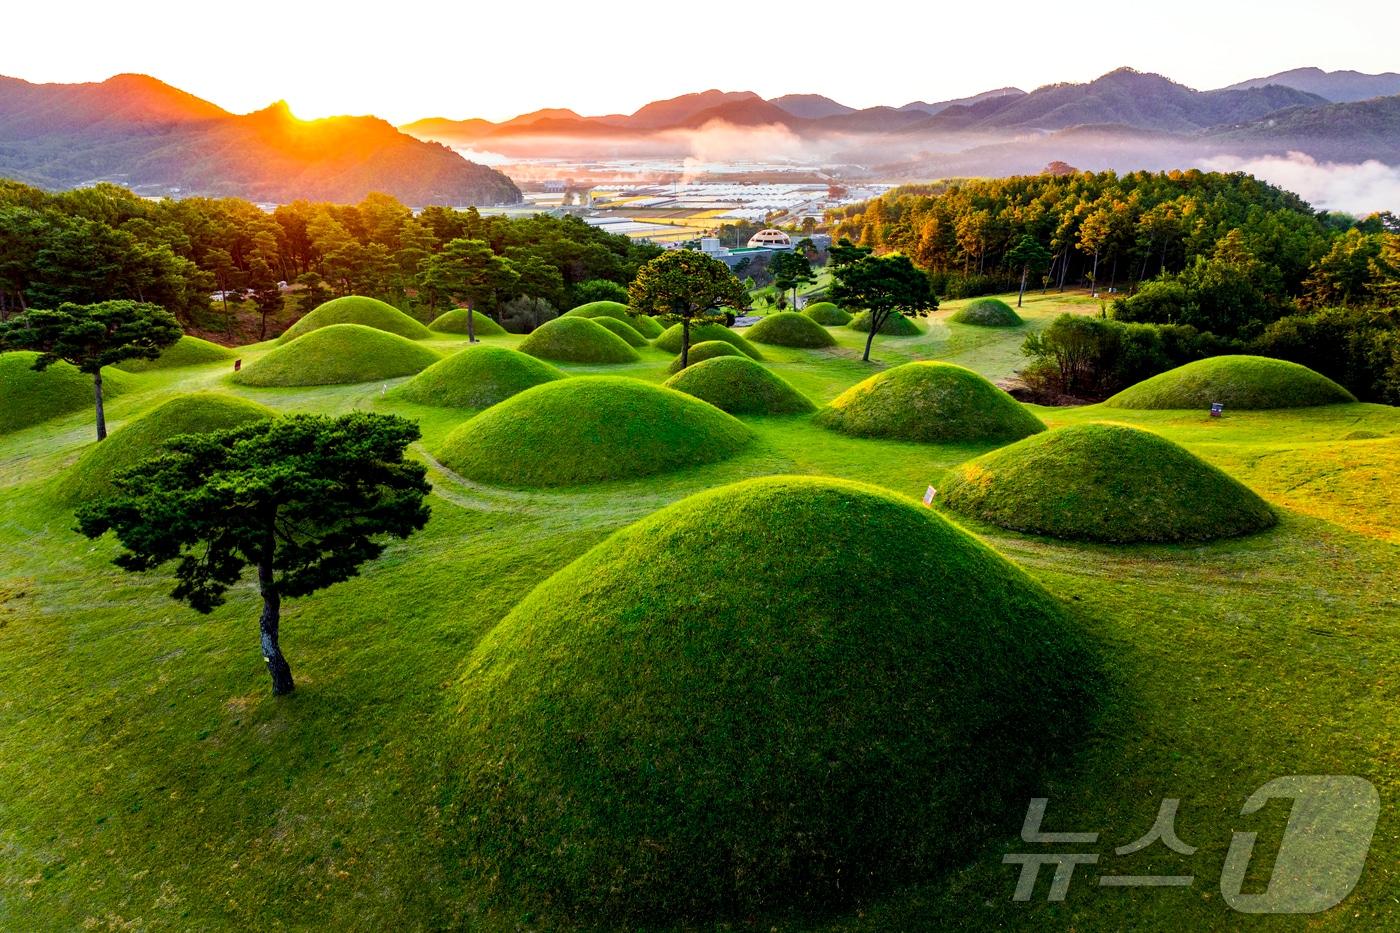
point(237, 365)
point(1216, 408)
point(929, 495)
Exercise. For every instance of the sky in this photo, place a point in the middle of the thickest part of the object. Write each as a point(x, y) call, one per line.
point(408, 58)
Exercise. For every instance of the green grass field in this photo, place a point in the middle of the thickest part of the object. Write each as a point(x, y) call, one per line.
point(151, 782)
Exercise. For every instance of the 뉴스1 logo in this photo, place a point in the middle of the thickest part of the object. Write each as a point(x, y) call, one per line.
point(1319, 862)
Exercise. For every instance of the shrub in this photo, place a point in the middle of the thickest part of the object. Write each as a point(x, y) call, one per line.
point(1104, 482)
point(1359, 349)
point(578, 340)
point(791, 329)
point(931, 402)
point(1241, 382)
point(589, 429)
point(522, 314)
point(338, 353)
point(477, 377)
point(600, 290)
point(736, 384)
point(356, 309)
point(455, 322)
point(823, 725)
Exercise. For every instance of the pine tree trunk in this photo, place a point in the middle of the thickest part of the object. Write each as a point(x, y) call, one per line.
point(471, 323)
point(1094, 277)
point(1025, 270)
point(277, 665)
point(685, 342)
point(97, 399)
point(870, 337)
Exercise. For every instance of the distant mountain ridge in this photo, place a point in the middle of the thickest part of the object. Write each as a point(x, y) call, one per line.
point(1336, 86)
point(159, 139)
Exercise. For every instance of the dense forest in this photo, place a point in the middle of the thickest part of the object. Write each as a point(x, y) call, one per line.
point(1194, 263)
point(102, 243)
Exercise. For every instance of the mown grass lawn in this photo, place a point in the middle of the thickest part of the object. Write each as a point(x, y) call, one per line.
point(149, 781)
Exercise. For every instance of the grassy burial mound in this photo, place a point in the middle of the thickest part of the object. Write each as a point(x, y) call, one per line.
point(896, 325)
point(933, 402)
point(736, 731)
point(455, 322)
point(356, 309)
point(339, 353)
point(596, 309)
point(1243, 382)
point(187, 351)
point(670, 340)
point(28, 397)
point(627, 332)
point(827, 314)
point(477, 377)
point(144, 437)
point(589, 429)
point(1104, 482)
point(699, 352)
point(791, 329)
point(577, 340)
point(987, 312)
point(648, 327)
point(738, 385)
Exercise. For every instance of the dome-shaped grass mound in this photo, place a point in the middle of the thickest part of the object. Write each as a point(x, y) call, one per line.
point(187, 351)
point(896, 325)
point(1104, 482)
point(589, 429)
point(477, 377)
point(932, 402)
point(699, 352)
point(339, 353)
point(1243, 382)
point(987, 312)
point(356, 309)
point(627, 332)
point(144, 437)
point(827, 314)
point(28, 397)
point(740, 386)
point(791, 329)
point(777, 714)
point(648, 327)
point(455, 322)
point(577, 340)
point(670, 339)
point(596, 309)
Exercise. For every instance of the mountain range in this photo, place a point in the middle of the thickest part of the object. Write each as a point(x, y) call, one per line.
point(158, 139)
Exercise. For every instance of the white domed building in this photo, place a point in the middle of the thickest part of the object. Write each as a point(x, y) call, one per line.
point(770, 239)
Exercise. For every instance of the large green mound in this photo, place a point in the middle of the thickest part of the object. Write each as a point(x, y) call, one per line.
point(629, 334)
point(896, 325)
point(708, 350)
point(577, 340)
point(670, 339)
point(589, 429)
point(935, 402)
point(28, 397)
point(187, 351)
point(1242, 382)
point(477, 377)
point(740, 386)
point(987, 312)
point(791, 329)
point(144, 436)
point(1104, 482)
point(338, 353)
point(596, 309)
point(775, 714)
point(648, 327)
point(455, 322)
point(827, 314)
point(356, 309)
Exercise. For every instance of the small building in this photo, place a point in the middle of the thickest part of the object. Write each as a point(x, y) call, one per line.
point(770, 239)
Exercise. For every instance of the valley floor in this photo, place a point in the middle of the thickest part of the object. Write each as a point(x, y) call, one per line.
point(148, 781)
